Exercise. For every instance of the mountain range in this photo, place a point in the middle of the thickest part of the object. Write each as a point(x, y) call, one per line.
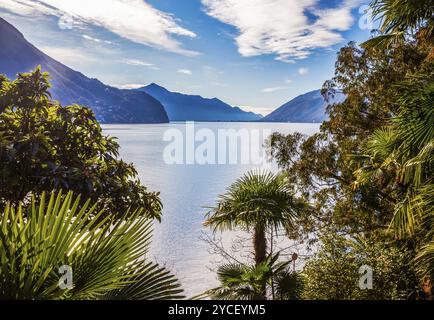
point(309, 107)
point(183, 107)
point(110, 105)
point(149, 104)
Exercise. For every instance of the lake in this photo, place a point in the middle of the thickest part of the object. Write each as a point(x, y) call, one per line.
point(187, 188)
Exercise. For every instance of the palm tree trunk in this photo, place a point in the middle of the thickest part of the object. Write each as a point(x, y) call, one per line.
point(260, 246)
point(273, 294)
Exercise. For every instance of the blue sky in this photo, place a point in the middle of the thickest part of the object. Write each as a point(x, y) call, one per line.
point(257, 54)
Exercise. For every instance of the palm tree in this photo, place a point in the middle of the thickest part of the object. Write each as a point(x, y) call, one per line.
point(107, 258)
point(241, 282)
point(258, 201)
point(404, 150)
point(403, 154)
point(401, 17)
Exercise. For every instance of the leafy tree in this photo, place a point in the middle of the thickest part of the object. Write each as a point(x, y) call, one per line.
point(44, 146)
point(333, 272)
point(322, 166)
point(371, 163)
point(106, 255)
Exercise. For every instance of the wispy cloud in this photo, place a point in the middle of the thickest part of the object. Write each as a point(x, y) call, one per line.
point(85, 36)
point(185, 71)
point(135, 20)
point(258, 110)
point(140, 63)
point(211, 71)
point(303, 71)
point(27, 7)
point(70, 56)
point(290, 29)
point(274, 89)
point(128, 86)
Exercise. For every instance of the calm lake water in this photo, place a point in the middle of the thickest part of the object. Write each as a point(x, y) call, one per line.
point(185, 190)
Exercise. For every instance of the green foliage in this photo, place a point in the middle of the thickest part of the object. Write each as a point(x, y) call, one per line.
point(148, 282)
point(288, 285)
point(401, 19)
point(258, 201)
point(403, 15)
point(370, 168)
point(44, 146)
point(333, 273)
point(402, 155)
point(257, 198)
point(107, 256)
point(241, 282)
point(322, 166)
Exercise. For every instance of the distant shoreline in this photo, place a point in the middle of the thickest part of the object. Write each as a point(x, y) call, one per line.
point(136, 123)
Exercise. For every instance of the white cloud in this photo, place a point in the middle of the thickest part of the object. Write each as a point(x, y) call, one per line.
point(303, 71)
point(259, 110)
point(284, 58)
point(140, 63)
point(274, 89)
point(129, 86)
point(27, 8)
point(70, 56)
point(289, 80)
point(289, 29)
point(85, 36)
point(135, 20)
point(185, 71)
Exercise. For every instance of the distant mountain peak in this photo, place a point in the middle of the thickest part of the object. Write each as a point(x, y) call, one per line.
point(109, 104)
point(185, 107)
point(154, 85)
point(308, 107)
point(8, 29)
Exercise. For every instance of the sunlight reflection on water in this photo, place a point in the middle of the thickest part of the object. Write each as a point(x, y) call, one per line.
point(185, 191)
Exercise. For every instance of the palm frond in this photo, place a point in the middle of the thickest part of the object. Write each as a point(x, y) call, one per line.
point(148, 282)
point(244, 282)
point(384, 41)
point(104, 256)
point(256, 198)
point(402, 15)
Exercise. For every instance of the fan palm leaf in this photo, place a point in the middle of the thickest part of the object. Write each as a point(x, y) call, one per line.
point(106, 257)
point(258, 201)
point(256, 198)
point(244, 282)
point(398, 17)
point(403, 153)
